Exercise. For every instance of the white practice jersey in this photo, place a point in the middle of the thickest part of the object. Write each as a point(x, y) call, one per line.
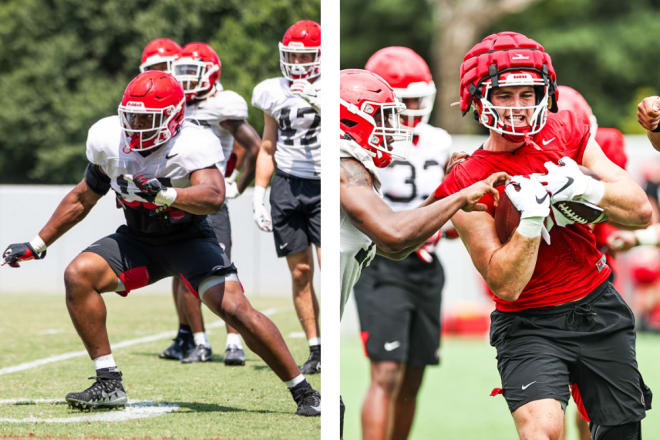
point(407, 183)
point(194, 148)
point(356, 249)
point(298, 149)
point(223, 105)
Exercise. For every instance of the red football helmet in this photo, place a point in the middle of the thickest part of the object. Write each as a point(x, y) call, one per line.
point(369, 113)
point(197, 67)
point(160, 51)
point(303, 37)
point(508, 59)
point(570, 99)
point(409, 76)
point(151, 110)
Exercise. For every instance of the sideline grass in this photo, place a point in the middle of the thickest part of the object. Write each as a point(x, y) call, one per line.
point(454, 401)
point(214, 401)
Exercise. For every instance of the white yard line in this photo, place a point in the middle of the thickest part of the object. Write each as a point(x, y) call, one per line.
point(122, 344)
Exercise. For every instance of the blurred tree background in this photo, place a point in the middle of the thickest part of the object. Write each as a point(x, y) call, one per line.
point(65, 63)
point(606, 49)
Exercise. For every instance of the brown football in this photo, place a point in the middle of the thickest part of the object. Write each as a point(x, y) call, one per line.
point(507, 218)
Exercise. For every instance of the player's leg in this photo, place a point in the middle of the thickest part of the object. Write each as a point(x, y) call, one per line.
point(385, 380)
point(540, 419)
point(183, 342)
point(405, 402)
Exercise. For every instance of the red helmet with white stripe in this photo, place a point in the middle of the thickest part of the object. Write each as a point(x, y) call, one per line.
point(197, 68)
point(508, 59)
point(159, 55)
point(303, 37)
point(409, 76)
point(151, 110)
point(369, 113)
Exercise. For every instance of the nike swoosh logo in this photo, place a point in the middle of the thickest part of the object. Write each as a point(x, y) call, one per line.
point(170, 156)
point(284, 245)
point(542, 198)
point(317, 408)
point(569, 182)
point(544, 142)
point(524, 387)
point(389, 346)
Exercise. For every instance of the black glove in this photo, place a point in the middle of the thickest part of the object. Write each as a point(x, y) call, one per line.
point(20, 252)
point(149, 186)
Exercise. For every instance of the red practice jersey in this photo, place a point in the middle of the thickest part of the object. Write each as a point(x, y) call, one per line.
point(571, 266)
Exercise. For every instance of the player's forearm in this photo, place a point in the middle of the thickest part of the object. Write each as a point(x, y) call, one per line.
point(200, 199)
point(511, 266)
point(626, 204)
point(265, 166)
point(654, 137)
point(248, 175)
point(71, 210)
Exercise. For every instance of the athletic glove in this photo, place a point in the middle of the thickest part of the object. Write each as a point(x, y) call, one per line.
point(567, 182)
point(426, 250)
point(23, 252)
point(261, 214)
point(152, 190)
point(231, 188)
point(307, 91)
point(532, 200)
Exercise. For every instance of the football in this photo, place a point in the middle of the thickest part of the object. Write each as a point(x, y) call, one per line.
point(507, 218)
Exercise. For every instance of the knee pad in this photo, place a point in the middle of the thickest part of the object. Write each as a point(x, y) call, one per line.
point(214, 280)
point(629, 431)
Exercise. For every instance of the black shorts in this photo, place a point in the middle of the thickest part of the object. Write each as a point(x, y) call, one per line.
point(138, 264)
point(296, 212)
point(590, 342)
point(219, 221)
point(399, 308)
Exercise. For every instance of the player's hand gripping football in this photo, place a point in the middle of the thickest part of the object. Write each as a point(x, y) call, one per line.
point(529, 197)
point(566, 181)
point(476, 191)
point(308, 92)
point(648, 113)
point(151, 189)
point(17, 252)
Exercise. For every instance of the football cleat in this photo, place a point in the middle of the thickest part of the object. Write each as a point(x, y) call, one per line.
point(234, 355)
point(201, 353)
point(179, 348)
point(107, 392)
point(313, 364)
point(307, 398)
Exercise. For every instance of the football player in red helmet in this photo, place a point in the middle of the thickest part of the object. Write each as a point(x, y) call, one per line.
point(408, 290)
point(164, 174)
point(159, 55)
point(510, 81)
point(648, 115)
point(291, 150)
point(198, 68)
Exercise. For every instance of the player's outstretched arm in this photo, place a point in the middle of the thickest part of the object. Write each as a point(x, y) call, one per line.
point(624, 201)
point(249, 140)
point(648, 116)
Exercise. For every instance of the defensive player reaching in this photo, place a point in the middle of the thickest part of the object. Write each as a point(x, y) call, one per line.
point(197, 67)
point(557, 320)
point(648, 115)
point(165, 176)
point(291, 149)
point(371, 134)
point(398, 302)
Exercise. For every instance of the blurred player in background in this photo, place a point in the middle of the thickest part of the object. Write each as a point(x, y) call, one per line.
point(159, 54)
point(164, 173)
point(399, 301)
point(371, 136)
point(557, 318)
point(198, 68)
point(291, 149)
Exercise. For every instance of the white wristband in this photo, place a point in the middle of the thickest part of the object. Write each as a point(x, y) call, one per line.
point(594, 192)
point(38, 245)
point(258, 196)
point(530, 227)
point(647, 237)
point(166, 196)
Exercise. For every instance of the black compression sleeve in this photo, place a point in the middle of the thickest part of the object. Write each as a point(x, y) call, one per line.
point(96, 179)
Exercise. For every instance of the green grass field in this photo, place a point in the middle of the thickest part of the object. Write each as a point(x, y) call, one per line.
point(213, 400)
point(455, 403)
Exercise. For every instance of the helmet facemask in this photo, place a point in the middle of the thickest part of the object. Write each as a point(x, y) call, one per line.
point(293, 71)
point(147, 128)
point(195, 77)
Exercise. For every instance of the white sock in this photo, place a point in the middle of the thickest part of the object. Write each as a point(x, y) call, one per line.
point(106, 361)
point(295, 381)
point(199, 338)
point(314, 341)
point(234, 339)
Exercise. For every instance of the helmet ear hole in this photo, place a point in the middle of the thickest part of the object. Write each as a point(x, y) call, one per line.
point(348, 123)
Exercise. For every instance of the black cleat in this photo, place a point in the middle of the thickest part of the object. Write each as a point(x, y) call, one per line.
point(234, 355)
point(200, 353)
point(179, 348)
point(106, 392)
point(313, 364)
point(307, 398)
